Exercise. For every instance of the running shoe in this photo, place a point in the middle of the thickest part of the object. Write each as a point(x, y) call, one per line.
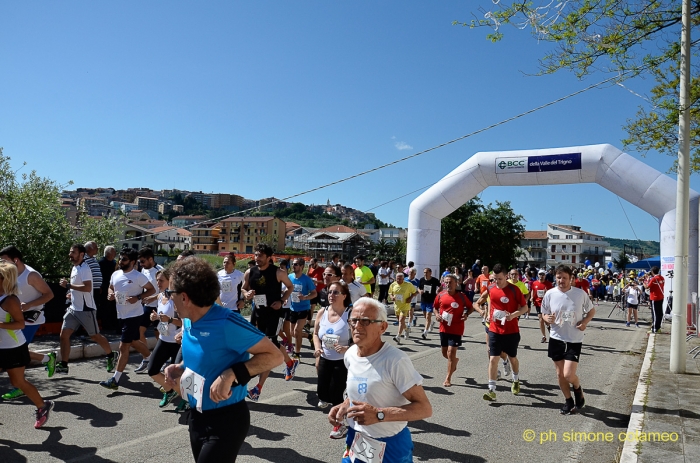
point(111, 383)
point(307, 328)
point(111, 362)
point(167, 398)
point(162, 390)
point(322, 404)
point(515, 387)
point(254, 394)
point(405, 334)
point(339, 431)
point(415, 321)
point(568, 407)
point(296, 356)
point(51, 364)
point(182, 406)
point(506, 368)
point(544, 339)
point(42, 414)
point(490, 395)
point(423, 335)
point(499, 375)
point(142, 368)
point(15, 393)
point(580, 399)
point(61, 368)
point(396, 323)
point(397, 339)
point(290, 371)
point(636, 325)
point(627, 324)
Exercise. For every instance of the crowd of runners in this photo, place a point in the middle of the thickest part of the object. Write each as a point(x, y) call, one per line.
point(213, 358)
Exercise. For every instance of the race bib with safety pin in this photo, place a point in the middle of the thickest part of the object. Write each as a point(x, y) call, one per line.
point(366, 449)
point(163, 328)
point(330, 340)
point(447, 317)
point(193, 384)
point(121, 298)
point(295, 297)
point(226, 286)
point(428, 289)
point(540, 293)
point(260, 300)
point(500, 315)
point(399, 297)
point(568, 316)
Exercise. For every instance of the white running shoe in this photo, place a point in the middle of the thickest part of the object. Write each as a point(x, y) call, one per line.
point(339, 432)
point(397, 339)
point(506, 368)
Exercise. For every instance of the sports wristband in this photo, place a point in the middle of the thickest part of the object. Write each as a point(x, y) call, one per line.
point(242, 375)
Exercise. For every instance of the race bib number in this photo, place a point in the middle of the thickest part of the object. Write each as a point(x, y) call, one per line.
point(500, 315)
point(295, 297)
point(193, 384)
point(121, 298)
point(428, 288)
point(163, 328)
point(568, 316)
point(540, 293)
point(399, 298)
point(330, 340)
point(226, 286)
point(366, 449)
point(447, 317)
point(505, 300)
point(260, 300)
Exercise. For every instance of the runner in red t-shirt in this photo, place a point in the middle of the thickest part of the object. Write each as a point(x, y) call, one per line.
point(451, 309)
point(583, 284)
point(656, 296)
point(316, 273)
point(506, 304)
point(538, 288)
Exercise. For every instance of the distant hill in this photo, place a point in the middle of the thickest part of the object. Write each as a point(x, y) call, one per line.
point(649, 248)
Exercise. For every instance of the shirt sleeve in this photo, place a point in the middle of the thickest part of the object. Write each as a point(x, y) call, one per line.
point(143, 279)
point(85, 273)
point(404, 375)
point(240, 335)
point(545, 308)
point(310, 285)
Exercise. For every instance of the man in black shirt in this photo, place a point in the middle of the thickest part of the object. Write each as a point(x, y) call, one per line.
point(107, 310)
point(428, 287)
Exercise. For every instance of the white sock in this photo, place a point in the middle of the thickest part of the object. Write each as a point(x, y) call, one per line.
point(45, 359)
point(492, 385)
point(515, 377)
point(117, 375)
point(145, 359)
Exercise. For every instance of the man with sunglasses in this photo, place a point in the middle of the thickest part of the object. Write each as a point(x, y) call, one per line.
point(304, 292)
point(128, 287)
point(262, 284)
point(384, 391)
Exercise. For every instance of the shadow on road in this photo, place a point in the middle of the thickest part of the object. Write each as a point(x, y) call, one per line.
point(53, 446)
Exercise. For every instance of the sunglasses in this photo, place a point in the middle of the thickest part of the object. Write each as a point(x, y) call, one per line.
point(362, 321)
point(334, 292)
point(329, 275)
point(297, 264)
point(170, 292)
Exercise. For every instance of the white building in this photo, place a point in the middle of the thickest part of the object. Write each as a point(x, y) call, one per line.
point(568, 244)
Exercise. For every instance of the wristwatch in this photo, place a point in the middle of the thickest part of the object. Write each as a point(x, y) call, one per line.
point(380, 414)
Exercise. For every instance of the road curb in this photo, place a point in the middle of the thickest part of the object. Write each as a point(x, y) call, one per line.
point(629, 450)
point(91, 350)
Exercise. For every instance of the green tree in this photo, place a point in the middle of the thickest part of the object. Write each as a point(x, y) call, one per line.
point(104, 231)
point(475, 231)
point(32, 219)
point(621, 37)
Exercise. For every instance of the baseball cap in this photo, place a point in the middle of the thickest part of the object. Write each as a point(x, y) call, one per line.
point(541, 272)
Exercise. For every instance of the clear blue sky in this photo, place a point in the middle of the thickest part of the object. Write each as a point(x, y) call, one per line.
point(271, 98)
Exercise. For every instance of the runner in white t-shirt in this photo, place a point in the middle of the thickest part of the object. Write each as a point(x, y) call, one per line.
point(568, 310)
point(230, 281)
point(357, 290)
point(149, 268)
point(128, 287)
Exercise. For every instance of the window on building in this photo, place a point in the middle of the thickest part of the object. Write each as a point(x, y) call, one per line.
point(554, 248)
point(569, 237)
point(596, 249)
point(573, 248)
point(563, 247)
point(555, 237)
point(573, 259)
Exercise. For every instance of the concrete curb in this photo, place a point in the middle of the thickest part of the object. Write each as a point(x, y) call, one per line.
point(91, 350)
point(629, 450)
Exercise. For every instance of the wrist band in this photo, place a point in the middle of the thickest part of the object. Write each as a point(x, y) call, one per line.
point(241, 371)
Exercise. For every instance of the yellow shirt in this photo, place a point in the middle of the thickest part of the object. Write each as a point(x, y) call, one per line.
point(364, 274)
point(521, 286)
point(402, 294)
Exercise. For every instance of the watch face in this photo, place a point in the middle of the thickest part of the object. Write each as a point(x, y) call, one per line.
point(380, 415)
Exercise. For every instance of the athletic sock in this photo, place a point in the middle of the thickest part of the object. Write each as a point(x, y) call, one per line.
point(45, 359)
point(515, 377)
point(260, 387)
point(290, 363)
point(145, 359)
point(63, 364)
point(117, 375)
point(492, 385)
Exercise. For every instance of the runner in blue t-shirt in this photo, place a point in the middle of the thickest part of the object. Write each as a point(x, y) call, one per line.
point(304, 291)
point(216, 346)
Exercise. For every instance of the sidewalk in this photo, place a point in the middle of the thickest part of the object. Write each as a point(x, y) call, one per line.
point(665, 420)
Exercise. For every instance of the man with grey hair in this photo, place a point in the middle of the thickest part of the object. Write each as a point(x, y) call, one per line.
point(384, 391)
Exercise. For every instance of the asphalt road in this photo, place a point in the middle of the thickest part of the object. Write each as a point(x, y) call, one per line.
point(91, 424)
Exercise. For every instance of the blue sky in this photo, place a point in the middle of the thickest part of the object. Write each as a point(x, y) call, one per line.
point(272, 98)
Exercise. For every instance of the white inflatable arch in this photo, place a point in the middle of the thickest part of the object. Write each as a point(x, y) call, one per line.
point(618, 172)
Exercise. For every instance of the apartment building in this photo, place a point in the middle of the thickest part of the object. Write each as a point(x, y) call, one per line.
point(185, 220)
point(146, 204)
point(533, 248)
point(568, 244)
point(205, 238)
point(241, 234)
